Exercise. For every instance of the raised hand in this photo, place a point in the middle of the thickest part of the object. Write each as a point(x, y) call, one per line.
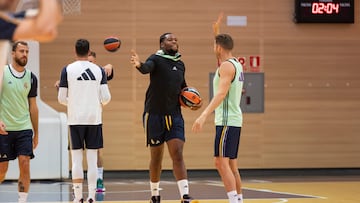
point(216, 24)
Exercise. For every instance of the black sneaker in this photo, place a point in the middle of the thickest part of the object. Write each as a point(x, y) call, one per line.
point(90, 200)
point(155, 199)
point(188, 199)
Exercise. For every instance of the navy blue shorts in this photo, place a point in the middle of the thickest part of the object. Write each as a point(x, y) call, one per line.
point(227, 140)
point(90, 135)
point(162, 128)
point(16, 143)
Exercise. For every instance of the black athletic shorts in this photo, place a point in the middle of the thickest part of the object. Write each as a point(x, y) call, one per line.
point(227, 140)
point(162, 128)
point(16, 143)
point(90, 135)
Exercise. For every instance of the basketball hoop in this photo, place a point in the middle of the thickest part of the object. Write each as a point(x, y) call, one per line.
point(27, 4)
point(71, 7)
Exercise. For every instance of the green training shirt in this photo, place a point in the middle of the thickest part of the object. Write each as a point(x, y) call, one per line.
point(228, 113)
point(14, 103)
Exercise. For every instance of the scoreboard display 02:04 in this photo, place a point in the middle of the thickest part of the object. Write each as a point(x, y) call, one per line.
point(324, 11)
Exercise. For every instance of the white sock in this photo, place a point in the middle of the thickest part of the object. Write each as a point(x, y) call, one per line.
point(233, 197)
point(77, 171)
point(91, 157)
point(100, 172)
point(78, 190)
point(240, 198)
point(154, 187)
point(183, 186)
point(23, 197)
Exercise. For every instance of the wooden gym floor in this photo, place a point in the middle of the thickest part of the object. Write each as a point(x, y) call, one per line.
point(341, 186)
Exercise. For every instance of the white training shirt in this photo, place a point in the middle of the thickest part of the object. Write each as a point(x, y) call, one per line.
point(83, 88)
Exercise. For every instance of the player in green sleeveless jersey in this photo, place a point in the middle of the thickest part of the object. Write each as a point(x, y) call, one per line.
point(227, 88)
point(19, 111)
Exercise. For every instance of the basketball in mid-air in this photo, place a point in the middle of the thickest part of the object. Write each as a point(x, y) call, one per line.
point(190, 97)
point(112, 44)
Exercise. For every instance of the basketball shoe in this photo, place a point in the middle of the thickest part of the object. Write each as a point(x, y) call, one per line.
point(155, 199)
point(90, 200)
point(188, 199)
point(79, 201)
point(100, 185)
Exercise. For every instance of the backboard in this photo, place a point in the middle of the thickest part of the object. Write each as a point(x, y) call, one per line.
point(69, 7)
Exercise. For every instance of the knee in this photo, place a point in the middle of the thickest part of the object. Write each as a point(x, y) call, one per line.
point(217, 164)
point(177, 155)
point(220, 164)
point(24, 165)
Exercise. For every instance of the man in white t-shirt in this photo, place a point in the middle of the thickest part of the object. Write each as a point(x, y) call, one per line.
point(83, 89)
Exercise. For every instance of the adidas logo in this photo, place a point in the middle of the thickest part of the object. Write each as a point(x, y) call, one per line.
point(87, 75)
point(174, 68)
point(154, 141)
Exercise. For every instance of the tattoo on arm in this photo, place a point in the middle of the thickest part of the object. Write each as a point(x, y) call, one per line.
point(21, 187)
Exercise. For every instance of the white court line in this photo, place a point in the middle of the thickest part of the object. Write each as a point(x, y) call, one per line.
point(220, 184)
point(286, 193)
point(282, 201)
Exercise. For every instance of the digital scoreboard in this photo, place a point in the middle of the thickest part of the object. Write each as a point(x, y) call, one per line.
point(324, 11)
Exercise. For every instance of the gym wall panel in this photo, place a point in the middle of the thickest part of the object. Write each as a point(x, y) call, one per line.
point(312, 114)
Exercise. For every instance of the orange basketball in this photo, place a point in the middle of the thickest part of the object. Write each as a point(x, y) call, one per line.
point(189, 97)
point(112, 44)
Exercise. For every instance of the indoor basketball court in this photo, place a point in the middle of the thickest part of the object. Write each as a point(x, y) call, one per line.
point(309, 187)
point(300, 103)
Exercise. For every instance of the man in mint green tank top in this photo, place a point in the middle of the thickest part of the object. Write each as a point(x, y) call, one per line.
point(19, 114)
point(227, 89)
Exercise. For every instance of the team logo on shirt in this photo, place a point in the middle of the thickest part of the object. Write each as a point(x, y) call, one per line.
point(87, 75)
point(174, 68)
point(3, 156)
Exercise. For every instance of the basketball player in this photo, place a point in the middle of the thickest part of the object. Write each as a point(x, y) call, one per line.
point(163, 121)
point(83, 88)
point(42, 27)
point(109, 70)
point(227, 89)
point(21, 117)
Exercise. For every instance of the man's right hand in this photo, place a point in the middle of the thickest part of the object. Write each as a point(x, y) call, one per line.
point(2, 128)
point(134, 59)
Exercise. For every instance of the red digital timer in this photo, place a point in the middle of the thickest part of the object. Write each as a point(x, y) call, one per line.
point(324, 11)
point(325, 8)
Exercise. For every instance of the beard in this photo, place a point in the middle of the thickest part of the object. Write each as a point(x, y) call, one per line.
point(171, 52)
point(21, 62)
